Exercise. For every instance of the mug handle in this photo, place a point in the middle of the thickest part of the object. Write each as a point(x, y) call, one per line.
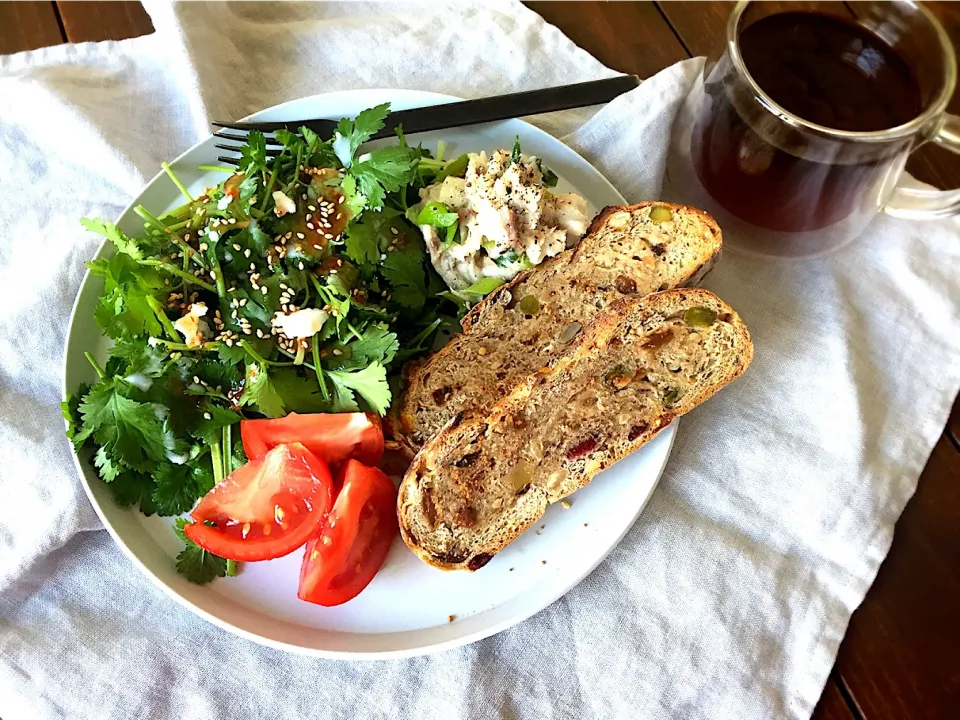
point(924, 203)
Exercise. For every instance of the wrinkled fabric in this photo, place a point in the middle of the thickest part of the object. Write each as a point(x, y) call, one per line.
point(729, 596)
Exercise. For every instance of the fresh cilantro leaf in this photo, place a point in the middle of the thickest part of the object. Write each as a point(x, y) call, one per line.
point(127, 305)
point(287, 139)
point(106, 466)
point(209, 428)
point(385, 170)
point(355, 201)
point(377, 344)
point(196, 564)
point(484, 286)
point(133, 488)
point(362, 240)
point(403, 269)
point(515, 155)
point(370, 383)
point(110, 231)
point(455, 168)
point(140, 357)
point(126, 428)
point(178, 487)
point(549, 176)
point(259, 391)
point(70, 409)
point(253, 155)
point(300, 393)
point(351, 134)
point(231, 354)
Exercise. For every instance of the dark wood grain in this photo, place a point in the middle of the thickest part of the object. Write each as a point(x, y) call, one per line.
point(901, 655)
point(631, 37)
point(95, 21)
point(28, 26)
point(832, 705)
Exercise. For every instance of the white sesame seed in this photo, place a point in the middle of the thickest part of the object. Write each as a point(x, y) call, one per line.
point(340, 200)
point(246, 253)
point(300, 265)
point(383, 256)
point(264, 290)
point(317, 246)
point(310, 226)
point(196, 379)
point(338, 352)
point(394, 230)
point(236, 247)
point(328, 236)
point(207, 416)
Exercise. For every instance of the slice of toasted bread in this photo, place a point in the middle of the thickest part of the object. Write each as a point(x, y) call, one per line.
point(624, 253)
point(483, 480)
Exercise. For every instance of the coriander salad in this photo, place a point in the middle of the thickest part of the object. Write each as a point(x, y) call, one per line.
point(258, 332)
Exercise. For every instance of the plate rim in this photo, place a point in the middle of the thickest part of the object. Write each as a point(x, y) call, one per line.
point(302, 650)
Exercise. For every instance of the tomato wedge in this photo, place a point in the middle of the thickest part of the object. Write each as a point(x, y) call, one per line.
point(332, 437)
point(342, 560)
point(265, 509)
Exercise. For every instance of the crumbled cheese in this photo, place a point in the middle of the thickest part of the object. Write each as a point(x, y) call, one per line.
point(284, 205)
point(224, 202)
point(300, 324)
point(191, 326)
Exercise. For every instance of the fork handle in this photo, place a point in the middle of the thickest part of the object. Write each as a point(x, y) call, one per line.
point(505, 107)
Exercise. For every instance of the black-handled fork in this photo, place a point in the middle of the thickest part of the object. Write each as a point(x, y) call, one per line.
point(450, 115)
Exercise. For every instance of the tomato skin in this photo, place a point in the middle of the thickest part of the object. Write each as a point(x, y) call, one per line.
point(344, 557)
point(266, 508)
point(332, 437)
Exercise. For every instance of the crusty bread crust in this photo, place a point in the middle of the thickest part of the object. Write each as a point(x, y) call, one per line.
point(438, 499)
point(621, 243)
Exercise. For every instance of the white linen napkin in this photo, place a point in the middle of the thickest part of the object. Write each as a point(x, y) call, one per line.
point(727, 599)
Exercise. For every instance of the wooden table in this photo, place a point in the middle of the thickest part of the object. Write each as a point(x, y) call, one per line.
point(901, 654)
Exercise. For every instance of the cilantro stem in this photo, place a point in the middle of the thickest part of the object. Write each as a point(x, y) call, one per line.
point(189, 277)
point(355, 332)
point(151, 220)
point(228, 452)
point(425, 333)
point(216, 459)
point(96, 366)
point(178, 346)
point(232, 568)
point(221, 287)
point(162, 317)
point(269, 186)
point(264, 362)
point(216, 168)
point(289, 355)
point(318, 368)
point(176, 181)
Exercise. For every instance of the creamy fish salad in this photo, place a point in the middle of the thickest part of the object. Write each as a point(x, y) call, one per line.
point(496, 220)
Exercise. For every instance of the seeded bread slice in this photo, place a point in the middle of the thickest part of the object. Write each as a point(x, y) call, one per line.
point(519, 327)
point(483, 480)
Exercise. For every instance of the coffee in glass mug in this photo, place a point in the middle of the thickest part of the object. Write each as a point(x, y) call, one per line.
point(801, 129)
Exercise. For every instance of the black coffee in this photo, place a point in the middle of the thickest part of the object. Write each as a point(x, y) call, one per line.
point(827, 71)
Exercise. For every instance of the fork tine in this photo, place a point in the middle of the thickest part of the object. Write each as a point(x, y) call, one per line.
point(229, 160)
point(265, 127)
point(271, 152)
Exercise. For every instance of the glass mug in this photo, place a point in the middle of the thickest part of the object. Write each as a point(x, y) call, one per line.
point(779, 183)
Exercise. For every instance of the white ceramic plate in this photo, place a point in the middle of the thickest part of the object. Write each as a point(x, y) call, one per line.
point(405, 609)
